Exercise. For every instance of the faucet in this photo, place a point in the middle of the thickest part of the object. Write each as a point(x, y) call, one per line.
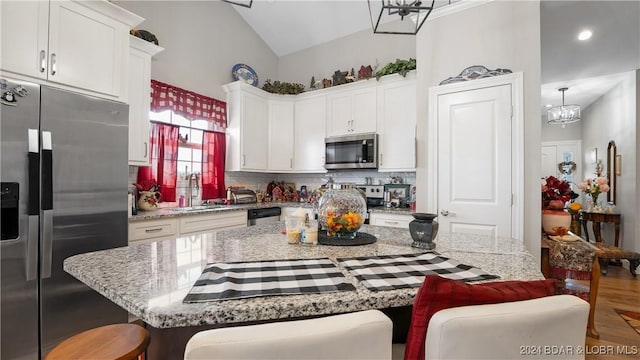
point(193, 179)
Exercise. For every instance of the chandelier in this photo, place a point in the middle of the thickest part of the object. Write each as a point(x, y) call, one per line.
point(246, 4)
point(564, 114)
point(389, 11)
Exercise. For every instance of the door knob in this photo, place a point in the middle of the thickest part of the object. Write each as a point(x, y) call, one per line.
point(444, 212)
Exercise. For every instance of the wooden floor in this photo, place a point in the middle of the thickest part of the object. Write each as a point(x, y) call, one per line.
point(617, 290)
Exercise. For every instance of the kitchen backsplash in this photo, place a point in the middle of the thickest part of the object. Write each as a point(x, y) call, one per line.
point(259, 181)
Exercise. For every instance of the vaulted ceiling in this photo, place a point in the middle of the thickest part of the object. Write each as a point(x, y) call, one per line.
point(589, 68)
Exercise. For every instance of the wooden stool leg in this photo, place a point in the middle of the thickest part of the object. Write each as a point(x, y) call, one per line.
point(593, 296)
point(604, 263)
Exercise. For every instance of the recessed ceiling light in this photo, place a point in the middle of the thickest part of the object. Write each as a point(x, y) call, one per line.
point(548, 106)
point(584, 35)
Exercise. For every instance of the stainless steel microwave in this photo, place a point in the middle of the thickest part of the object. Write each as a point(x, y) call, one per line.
point(351, 152)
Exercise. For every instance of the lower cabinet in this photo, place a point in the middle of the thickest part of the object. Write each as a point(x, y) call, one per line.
point(172, 227)
point(390, 220)
point(153, 230)
point(210, 222)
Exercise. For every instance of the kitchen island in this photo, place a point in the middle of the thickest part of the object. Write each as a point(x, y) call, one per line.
point(151, 280)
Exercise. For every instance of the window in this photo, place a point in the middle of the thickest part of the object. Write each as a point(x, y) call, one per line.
point(190, 152)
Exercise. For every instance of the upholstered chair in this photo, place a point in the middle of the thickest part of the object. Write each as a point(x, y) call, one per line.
point(358, 335)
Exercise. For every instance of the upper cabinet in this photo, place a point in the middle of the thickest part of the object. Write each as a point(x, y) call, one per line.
point(397, 123)
point(140, 53)
point(310, 123)
point(281, 135)
point(352, 111)
point(82, 45)
point(247, 128)
point(285, 133)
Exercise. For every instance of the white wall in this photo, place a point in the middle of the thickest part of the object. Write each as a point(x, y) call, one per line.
point(202, 41)
point(352, 51)
point(614, 117)
point(558, 133)
point(499, 34)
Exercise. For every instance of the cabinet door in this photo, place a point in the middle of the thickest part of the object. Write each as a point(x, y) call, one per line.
point(24, 37)
point(364, 111)
point(310, 121)
point(87, 50)
point(254, 132)
point(281, 135)
point(139, 89)
point(340, 118)
point(397, 107)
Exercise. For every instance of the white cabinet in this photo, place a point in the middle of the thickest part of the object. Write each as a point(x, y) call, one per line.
point(281, 135)
point(247, 128)
point(79, 44)
point(310, 124)
point(352, 111)
point(397, 123)
point(171, 227)
point(213, 221)
point(140, 53)
point(390, 220)
point(153, 230)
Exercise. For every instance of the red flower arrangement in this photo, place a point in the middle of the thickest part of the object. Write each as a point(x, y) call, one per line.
point(555, 193)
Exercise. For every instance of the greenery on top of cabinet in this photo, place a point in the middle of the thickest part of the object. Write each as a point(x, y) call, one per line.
point(401, 67)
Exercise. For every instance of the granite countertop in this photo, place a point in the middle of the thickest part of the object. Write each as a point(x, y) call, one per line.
point(205, 209)
point(151, 280)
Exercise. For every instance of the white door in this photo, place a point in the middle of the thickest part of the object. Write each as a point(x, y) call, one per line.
point(562, 159)
point(474, 173)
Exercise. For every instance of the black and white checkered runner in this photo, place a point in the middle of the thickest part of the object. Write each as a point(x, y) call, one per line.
point(222, 281)
point(388, 272)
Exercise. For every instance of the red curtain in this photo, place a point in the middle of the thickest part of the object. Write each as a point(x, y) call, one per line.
point(164, 158)
point(213, 155)
point(192, 106)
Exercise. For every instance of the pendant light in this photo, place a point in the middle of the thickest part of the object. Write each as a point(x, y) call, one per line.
point(246, 4)
point(564, 114)
point(392, 10)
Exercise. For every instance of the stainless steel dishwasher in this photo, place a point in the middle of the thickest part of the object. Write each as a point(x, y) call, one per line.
point(263, 216)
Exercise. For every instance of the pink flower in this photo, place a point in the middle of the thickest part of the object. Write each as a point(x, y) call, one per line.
point(604, 188)
point(602, 181)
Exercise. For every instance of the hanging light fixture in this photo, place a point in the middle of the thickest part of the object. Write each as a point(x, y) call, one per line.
point(246, 4)
point(387, 18)
point(564, 114)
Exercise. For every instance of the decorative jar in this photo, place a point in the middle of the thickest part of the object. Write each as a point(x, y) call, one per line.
point(553, 220)
point(423, 230)
point(341, 210)
point(148, 200)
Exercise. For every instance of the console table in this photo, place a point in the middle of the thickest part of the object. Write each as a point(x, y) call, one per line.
point(598, 218)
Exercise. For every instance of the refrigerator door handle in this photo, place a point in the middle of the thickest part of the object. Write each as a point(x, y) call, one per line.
point(33, 201)
point(47, 204)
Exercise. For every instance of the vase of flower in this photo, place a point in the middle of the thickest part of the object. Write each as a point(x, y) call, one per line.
point(593, 188)
point(423, 230)
point(574, 209)
point(341, 211)
point(148, 200)
point(555, 193)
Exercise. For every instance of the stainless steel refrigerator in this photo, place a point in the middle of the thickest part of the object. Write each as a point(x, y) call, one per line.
point(64, 176)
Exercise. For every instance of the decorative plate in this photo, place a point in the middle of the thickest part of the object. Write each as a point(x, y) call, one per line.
point(244, 73)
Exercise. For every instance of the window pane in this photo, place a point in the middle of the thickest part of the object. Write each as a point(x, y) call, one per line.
point(164, 116)
point(197, 156)
point(200, 124)
point(196, 137)
point(184, 167)
point(180, 120)
point(184, 154)
point(197, 167)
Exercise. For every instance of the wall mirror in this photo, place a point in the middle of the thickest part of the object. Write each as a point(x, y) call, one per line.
point(611, 171)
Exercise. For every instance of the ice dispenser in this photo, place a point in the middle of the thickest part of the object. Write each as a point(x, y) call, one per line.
point(9, 213)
